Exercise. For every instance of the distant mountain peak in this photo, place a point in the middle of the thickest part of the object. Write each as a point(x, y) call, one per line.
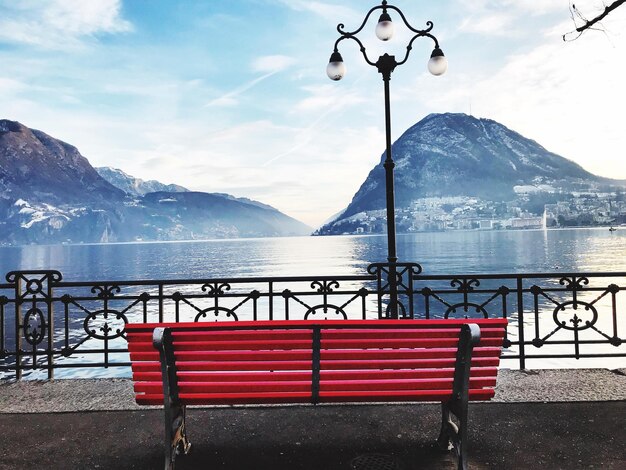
point(50, 193)
point(12, 126)
point(135, 186)
point(454, 154)
point(37, 167)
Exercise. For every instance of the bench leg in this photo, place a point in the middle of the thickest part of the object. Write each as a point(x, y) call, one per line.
point(453, 436)
point(447, 428)
point(176, 441)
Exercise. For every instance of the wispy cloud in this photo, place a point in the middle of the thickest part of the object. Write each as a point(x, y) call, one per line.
point(230, 98)
point(268, 65)
point(59, 24)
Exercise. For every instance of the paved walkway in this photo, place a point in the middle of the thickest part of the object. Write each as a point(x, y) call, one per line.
point(504, 434)
point(553, 436)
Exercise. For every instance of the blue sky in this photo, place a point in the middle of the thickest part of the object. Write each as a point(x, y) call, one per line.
point(232, 96)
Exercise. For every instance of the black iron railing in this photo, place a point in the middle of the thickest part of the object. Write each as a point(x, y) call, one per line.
point(47, 323)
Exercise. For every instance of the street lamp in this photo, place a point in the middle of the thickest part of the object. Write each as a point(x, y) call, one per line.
point(336, 70)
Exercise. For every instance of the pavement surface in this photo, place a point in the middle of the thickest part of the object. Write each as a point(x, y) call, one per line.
point(540, 419)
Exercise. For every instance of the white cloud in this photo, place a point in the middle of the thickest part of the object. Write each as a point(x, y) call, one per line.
point(328, 98)
point(505, 17)
point(59, 24)
point(328, 11)
point(492, 24)
point(532, 7)
point(9, 85)
point(272, 63)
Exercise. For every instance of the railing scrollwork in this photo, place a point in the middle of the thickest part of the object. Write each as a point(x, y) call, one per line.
point(48, 324)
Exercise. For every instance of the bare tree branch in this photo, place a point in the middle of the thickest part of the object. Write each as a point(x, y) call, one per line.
point(588, 24)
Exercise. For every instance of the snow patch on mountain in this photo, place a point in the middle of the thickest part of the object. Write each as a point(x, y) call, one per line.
point(136, 186)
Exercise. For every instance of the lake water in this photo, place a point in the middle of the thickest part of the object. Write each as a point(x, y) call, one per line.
point(566, 250)
point(471, 252)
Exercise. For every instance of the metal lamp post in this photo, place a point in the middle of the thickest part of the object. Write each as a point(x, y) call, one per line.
point(336, 69)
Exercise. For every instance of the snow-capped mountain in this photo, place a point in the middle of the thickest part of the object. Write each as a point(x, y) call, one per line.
point(50, 193)
point(135, 186)
point(448, 155)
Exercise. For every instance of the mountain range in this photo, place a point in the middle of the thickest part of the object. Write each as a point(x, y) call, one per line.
point(50, 193)
point(448, 155)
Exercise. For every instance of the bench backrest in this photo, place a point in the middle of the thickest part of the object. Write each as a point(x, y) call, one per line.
point(304, 361)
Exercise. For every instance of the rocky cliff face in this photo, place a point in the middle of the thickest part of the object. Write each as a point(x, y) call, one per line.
point(50, 193)
point(37, 167)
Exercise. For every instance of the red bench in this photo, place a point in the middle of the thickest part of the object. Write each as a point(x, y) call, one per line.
point(449, 361)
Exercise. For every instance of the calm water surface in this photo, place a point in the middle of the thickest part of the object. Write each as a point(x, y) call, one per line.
point(578, 250)
point(471, 252)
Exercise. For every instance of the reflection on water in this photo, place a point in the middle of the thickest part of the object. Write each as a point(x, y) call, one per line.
point(578, 250)
point(524, 251)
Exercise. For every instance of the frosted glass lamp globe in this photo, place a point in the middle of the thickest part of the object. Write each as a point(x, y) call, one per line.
point(438, 64)
point(384, 28)
point(335, 69)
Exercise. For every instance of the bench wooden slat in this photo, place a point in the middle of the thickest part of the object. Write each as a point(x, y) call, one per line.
point(325, 397)
point(269, 335)
point(257, 345)
point(405, 395)
point(423, 373)
point(303, 354)
point(293, 325)
point(304, 365)
point(402, 333)
point(401, 384)
point(226, 356)
point(221, 376)
point(305, 386)
point(250, 345)
point(229, 387)
point(352, 354)
point(406, 363)
point(306, 375)
point(227, 365)
point(425, 342)
point(232, 335)
point(230, 399)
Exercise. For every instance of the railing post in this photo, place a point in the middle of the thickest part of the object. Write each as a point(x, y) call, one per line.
point(520, 323)
point(19, 328)
point(161, 303)
point(50, 331)
point(271, 299)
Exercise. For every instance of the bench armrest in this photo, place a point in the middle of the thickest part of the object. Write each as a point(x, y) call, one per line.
point(162, 341)
point(469, 337)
